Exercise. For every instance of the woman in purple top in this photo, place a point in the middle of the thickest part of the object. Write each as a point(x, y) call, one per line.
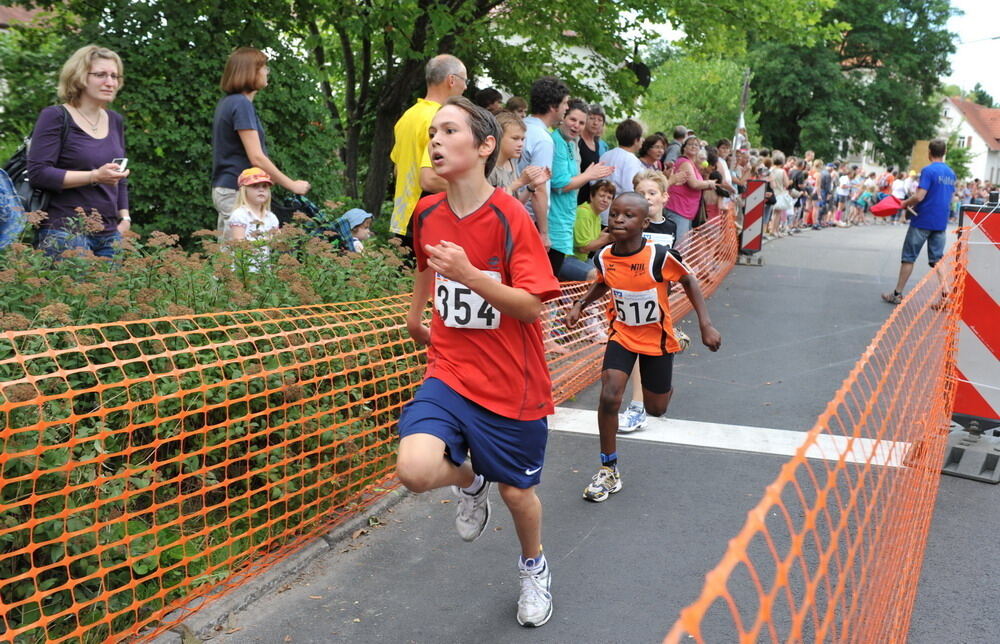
point(686, 186)
point(80, 172)
point(238, 139)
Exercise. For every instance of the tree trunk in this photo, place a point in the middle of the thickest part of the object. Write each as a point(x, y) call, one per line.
point(400, 88)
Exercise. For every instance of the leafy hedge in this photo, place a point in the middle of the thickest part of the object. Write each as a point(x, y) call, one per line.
point(144, 462)
point(155, 277)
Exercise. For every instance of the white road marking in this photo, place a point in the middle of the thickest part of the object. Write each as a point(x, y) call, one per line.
point(741, 438)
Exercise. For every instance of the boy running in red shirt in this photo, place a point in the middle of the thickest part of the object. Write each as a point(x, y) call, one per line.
point(637, 273)
point(487, 389)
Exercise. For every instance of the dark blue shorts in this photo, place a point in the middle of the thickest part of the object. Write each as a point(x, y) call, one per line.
point(502, 449)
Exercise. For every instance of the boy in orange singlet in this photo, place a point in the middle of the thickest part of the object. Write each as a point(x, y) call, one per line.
point(637, 273)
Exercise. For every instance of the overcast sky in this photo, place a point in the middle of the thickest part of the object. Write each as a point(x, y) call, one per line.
point(975, 61)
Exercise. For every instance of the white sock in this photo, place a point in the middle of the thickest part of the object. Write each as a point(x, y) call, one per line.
point(477, 485)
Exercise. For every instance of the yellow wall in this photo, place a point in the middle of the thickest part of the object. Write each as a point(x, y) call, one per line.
point(918, 155)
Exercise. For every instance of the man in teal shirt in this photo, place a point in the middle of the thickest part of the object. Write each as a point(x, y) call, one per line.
point(567, 180)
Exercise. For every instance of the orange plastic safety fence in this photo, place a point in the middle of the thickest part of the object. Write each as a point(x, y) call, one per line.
point(149, 466)
point(833, 550)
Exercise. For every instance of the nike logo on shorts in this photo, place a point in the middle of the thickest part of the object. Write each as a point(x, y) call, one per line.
point(534, 471)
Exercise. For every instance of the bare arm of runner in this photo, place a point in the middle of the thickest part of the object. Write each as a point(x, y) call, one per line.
point(423, 283)
point(449, 259)
point(595, 292)
point(251, 145)
point(710, 337)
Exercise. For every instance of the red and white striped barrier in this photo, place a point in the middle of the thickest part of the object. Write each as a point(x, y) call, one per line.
point(752, 236)
point(978, 370)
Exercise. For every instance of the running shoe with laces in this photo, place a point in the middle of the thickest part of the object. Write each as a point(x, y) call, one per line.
point(473, 512)
point(607, 481)
point(683, 339)
point(632, 420)
point(534, 606)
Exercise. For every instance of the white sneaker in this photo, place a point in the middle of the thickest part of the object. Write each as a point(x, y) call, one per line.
point(534, 606)
point(473, 512)
point(607, 481)
point(683, 339)
point(632, 420)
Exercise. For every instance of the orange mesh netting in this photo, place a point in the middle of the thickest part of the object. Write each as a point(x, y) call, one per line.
point(152, 463)
point(833, 551)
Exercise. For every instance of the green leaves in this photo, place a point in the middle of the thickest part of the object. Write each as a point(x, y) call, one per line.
point(872, 82)
point(700, 93)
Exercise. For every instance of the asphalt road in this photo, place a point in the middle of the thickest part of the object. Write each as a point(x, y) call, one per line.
point(622, 570)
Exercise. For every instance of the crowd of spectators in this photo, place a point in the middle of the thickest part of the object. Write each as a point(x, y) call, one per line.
point(553, 157)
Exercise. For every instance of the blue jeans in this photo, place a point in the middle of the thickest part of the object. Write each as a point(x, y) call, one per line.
point(574, 269)
point(54, 242)
point(683, 225)
point(915, 238)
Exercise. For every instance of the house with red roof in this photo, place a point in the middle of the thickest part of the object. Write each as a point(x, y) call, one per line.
point(977, 128)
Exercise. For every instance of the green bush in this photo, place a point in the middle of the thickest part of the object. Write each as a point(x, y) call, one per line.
point(159, 457)
point(154, 277)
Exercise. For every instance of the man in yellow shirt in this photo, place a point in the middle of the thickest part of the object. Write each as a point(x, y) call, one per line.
point(446, 77)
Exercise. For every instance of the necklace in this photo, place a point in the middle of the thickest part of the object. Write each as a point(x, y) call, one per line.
point(93, 126)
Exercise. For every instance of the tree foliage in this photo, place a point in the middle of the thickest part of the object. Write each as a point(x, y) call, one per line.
point(981, 96)
point(875, 82)
point(174, 54)
point(702, 94)
point(959, 158)
point(343, 71)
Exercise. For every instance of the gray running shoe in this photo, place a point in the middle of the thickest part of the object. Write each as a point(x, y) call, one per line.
point(606, 482)
point(534, 606)
point(473, 512)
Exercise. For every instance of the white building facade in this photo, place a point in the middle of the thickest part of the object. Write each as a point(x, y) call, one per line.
point(978, 129)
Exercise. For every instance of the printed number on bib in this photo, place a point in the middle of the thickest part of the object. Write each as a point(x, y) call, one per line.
point(636, 308)
point(462, 308)
point(663, 239)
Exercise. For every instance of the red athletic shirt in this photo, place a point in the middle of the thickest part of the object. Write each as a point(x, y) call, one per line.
point(494, 360)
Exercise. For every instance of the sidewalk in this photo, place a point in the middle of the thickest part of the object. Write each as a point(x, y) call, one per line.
point(622, 570)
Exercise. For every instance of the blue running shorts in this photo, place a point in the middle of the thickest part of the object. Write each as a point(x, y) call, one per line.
point(502, 449)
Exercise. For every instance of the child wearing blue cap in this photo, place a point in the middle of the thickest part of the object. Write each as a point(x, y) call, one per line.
point(354, 228)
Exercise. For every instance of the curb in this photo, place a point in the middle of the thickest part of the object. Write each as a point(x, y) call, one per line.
point(205, 623)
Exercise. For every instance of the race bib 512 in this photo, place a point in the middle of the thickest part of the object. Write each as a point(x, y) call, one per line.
point(636, 308)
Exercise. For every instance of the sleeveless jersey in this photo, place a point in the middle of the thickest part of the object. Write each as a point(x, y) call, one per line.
point(639, 309)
